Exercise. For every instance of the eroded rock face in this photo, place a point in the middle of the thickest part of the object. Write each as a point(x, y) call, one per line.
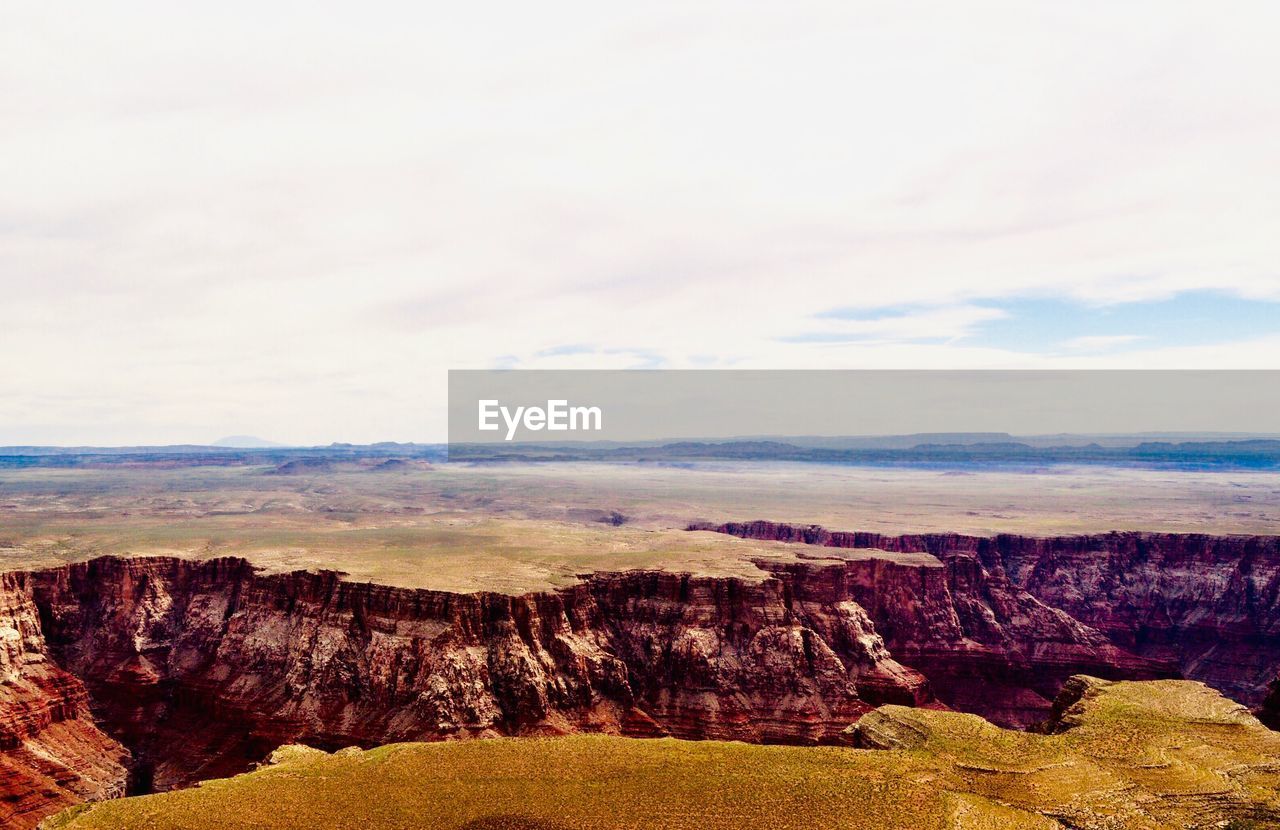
point(51, 753)
point(985, 645)
point(774, 661)
point(1204, 607)
point(202, 667)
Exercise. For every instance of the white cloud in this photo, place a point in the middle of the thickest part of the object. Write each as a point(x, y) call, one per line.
point(291, 219)
point(944, 323)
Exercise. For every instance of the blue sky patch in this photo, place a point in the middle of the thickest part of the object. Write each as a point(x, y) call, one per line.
point(1044, 325)
point(1190, 319)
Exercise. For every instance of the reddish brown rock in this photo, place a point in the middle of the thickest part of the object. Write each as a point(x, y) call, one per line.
point(51, 753)
point(1207, 607)
point(985, 645)
point(203, 667)
point(768, 661)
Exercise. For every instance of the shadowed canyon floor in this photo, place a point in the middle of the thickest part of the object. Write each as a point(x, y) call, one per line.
point(1166, 754)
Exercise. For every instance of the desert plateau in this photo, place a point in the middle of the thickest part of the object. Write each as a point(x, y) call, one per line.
point(168, 627)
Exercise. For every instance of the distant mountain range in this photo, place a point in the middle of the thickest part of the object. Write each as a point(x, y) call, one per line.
point(946, 450)
point(932, 451)
point(196, 455)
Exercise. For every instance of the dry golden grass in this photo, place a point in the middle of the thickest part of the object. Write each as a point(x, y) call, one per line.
point(1143, 755)
point(460, 554)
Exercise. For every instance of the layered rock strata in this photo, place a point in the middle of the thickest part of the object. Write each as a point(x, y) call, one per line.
point(52, 754)
point(202, 668)
point(1206, 607)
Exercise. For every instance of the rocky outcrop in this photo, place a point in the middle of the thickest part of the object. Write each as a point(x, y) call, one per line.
point(985, 645)
point(202, 667)
point(1206, 607)
point(51, 753)
point(788, 659)
point(1166, 753)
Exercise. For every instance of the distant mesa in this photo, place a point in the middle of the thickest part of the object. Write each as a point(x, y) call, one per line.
point(245, 442)
point(300, 466)
point(401, 464)
point(393, 464)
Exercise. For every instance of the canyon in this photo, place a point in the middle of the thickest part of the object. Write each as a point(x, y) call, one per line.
point(152, 673)
point(1204, 606)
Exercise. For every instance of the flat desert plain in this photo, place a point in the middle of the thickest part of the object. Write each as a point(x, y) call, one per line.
point(516, 528)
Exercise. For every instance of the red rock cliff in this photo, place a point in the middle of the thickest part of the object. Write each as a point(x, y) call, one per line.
point(202, 667)
point(1206, 606)
point(51, 753)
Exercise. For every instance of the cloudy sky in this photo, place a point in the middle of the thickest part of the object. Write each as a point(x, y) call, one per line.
point(290, 219)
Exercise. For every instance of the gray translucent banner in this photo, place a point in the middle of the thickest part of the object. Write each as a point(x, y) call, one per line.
point(628, 406)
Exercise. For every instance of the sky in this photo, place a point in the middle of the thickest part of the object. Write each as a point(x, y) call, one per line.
point(291, 219)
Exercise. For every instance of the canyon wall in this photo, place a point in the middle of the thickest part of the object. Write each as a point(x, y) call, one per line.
point(52, 755)
point(201, 668)
point(1207, 607)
